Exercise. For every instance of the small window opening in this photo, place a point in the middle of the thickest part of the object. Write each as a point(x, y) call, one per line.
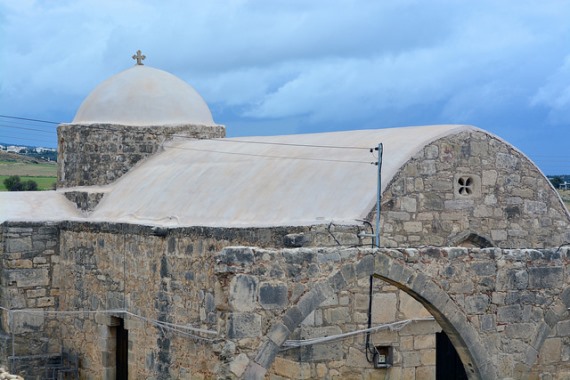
point(465, 187)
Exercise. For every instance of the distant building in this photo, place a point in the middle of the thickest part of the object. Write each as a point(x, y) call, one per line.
point(15, 149)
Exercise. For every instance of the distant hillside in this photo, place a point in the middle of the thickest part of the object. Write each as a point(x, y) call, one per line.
point(15, 157)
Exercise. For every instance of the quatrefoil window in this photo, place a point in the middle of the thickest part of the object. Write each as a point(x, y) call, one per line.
point(465, 186)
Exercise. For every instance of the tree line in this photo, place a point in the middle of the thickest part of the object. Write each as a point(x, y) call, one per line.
point(13, 183)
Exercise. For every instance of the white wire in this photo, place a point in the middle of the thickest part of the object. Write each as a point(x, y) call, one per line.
point(160, 324)
point(395, 326)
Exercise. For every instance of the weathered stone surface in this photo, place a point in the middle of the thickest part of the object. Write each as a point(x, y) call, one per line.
point(27, 278)
point(239, 364)
point(182, 285)
point(476, 304)
point(509, 314)
point(273, 296)
point(296, 240)
point(243, 293)
point(384, 307)
point(546, 277)
point(244, 325)
point(88, 151)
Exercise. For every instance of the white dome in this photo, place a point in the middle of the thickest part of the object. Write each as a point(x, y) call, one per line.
point(144, 96)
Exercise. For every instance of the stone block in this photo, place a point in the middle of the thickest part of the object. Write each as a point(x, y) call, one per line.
point(319, 352)
point(331, 301)
point(293, 318)
point(425, 372)
point(239, 364)
point(524, 331)
point(487, 322)
point(365, 267)
point(551, 351)
point(278, 334)
point(489, 177)
point(27, 321)
point(243, 292)
point(410, 308)
point(411, 359)
point(239, 256)
point(422, 342)
point(459, 204)
point(308, 303)
point(507, 162)
point(291, 369)
point(273, 296)
point(357, 359)
point(427, 167)
point(546, 277)
point(511, 313)
point(484, 268)
point(28, 278)
point(498, 235)
point(337, 315)
point(412, 227)
point(427, 357)
point(476, 304)
point(23, 244)
point(384, 307)
point(266, 354)
point(254, 371)
point(18, 264)
point(45, 302)
point(244, 325)
point(563, 329)
point(408, 204)
point(323, 291)
point(534, 207)
point(296, 240)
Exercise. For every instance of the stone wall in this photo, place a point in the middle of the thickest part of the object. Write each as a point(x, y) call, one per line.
point(504, 310)
point(148, 275)
point(98, 154)
point(29, 287)
point(472, 189)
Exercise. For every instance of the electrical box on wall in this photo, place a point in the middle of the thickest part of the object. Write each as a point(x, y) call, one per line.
point(383, 357)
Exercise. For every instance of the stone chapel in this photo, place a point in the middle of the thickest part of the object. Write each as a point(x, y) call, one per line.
point(169, 251)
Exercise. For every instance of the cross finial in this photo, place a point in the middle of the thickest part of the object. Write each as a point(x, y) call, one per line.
point(139, 57)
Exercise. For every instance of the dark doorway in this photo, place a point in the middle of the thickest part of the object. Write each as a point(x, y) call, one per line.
point(122, 351)
point(448, 365)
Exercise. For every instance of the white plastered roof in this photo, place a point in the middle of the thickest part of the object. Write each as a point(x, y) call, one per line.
point(262, 181)
point(144, 96)
point(36, 206)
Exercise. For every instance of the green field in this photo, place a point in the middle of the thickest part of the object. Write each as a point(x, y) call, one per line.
point(45, 175)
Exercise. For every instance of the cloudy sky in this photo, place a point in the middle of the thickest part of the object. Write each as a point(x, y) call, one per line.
point(295, 66)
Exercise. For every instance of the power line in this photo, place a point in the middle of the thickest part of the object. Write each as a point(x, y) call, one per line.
point(275, 157)
point(226, 140)
point(27, 129)
point(28, 119)
point(292, 144)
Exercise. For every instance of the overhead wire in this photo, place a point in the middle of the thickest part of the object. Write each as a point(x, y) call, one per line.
point(29, 119)
point(181, 329)
point(26, 129)
point(272, 156)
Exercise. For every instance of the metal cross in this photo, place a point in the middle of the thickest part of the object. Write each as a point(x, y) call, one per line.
point(139, 57)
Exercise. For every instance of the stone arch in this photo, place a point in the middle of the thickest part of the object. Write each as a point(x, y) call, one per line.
point(470, 239)
point(418, 285)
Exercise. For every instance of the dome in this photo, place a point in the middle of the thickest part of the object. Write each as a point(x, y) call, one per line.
point(144, 96)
